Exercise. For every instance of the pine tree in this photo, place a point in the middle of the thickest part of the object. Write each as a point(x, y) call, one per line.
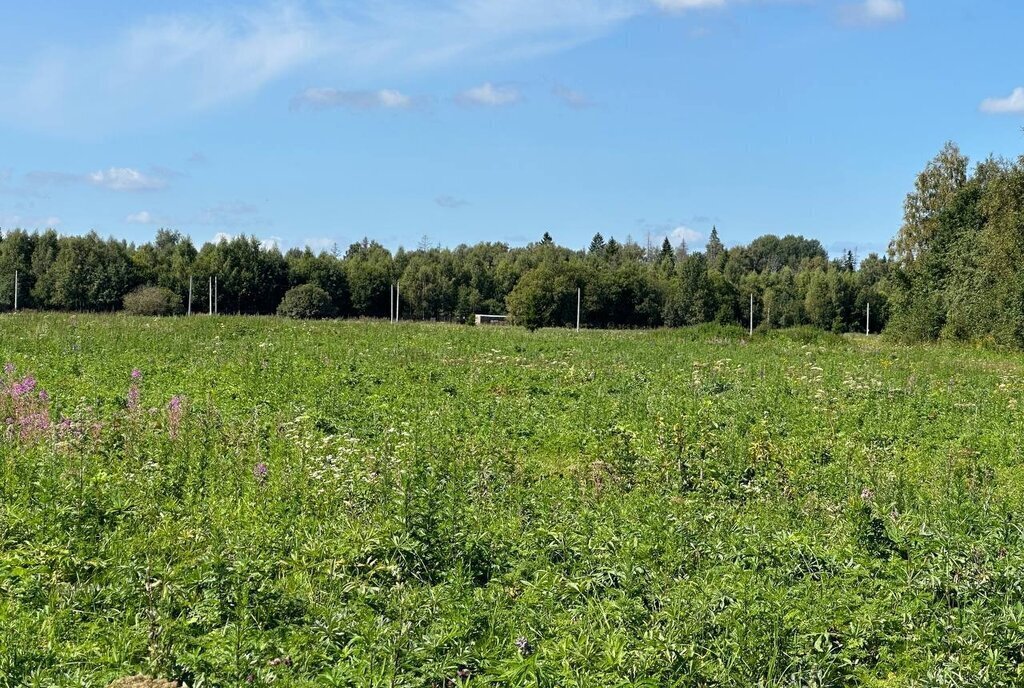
point(715, 247)
point(597, 244)
point(666, 249)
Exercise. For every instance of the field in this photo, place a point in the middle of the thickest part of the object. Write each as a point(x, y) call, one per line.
point(266, 502)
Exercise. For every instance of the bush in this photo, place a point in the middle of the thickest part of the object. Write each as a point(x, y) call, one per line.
point(152, 301)
point(307, 301)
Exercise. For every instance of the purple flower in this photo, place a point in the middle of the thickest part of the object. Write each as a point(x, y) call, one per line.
point(260, 471)
point(8, 369)
point(24, 387)
point(136, 374)
point(43, 396)
point(133, 397)
point(174, 415)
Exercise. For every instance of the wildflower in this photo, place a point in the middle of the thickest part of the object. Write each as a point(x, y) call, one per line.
point(24, 387)
point(8, 369)
point(867, 495)
point(525, 649)
point(43, 396)
point(174, 415)
point(136, 374)
point(133, 397)
point(260, 471)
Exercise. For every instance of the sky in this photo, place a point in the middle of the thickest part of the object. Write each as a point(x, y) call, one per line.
point(320, 122)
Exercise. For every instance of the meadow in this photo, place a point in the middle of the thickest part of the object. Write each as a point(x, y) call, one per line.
point(254, 501)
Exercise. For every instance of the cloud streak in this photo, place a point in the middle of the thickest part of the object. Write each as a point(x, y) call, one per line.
point(327, 98)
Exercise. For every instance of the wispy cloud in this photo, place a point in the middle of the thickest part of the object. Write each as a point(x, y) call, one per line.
point(171, 64)
point(872, 12)
point(1013, 104)
point(125, 179)
point(450, 202)
point(572, 98)
point(489, 95)
point(8, 222)
point(324, 98)
point(234, 214)
point(112, 179)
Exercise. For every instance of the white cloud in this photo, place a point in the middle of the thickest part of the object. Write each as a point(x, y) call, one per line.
point(124, 179)
point(1013, 104)
point(871, 12)
point(684, 233)
point(222, 236)
point(323, 98)
point(489, 95)
point(143, 217)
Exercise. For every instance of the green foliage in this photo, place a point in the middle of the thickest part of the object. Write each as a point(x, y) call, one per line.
point(153, 301)
point(624, 285)
point(307, 301)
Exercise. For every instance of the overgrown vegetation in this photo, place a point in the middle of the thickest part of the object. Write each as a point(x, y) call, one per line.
point(152, 301)
point(240, 501)
point(306, 301)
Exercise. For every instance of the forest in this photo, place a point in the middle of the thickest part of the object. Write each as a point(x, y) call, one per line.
point(953, 270)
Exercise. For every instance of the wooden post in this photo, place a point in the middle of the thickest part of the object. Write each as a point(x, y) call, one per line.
point(751, 315)
point(579, 302)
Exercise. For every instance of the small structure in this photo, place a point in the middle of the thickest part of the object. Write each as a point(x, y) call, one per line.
point(482, 319)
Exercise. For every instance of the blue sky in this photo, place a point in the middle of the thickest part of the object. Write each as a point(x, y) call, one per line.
point(322, 121)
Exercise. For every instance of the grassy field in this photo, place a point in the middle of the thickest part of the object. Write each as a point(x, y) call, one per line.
point(356, 504)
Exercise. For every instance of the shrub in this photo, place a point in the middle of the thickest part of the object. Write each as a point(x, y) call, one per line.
point(152, 301)
point(307, 301)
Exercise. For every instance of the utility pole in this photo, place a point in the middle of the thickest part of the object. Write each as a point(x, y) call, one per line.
point(190, 295)
point(751, 315)
point(579, 302)
point(867, 328)
point(216, 300)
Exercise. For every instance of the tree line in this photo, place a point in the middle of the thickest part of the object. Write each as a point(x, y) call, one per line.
point(623, 284)
point(954, 270)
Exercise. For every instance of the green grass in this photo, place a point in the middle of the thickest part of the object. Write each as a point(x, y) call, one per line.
point(634, 508)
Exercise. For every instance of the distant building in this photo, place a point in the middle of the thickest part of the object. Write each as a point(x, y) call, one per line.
point(491, 319)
